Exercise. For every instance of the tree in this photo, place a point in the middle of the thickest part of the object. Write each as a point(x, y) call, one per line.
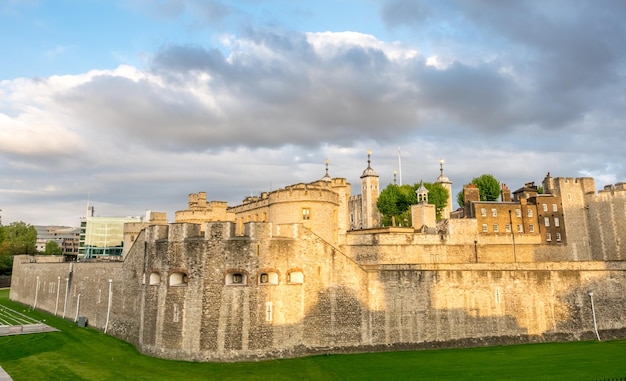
point(488, 186)
point(394, 202)
point(460, 199)
point(6, 264)
point(53, 248)
point(18, 238)
point(438, 196)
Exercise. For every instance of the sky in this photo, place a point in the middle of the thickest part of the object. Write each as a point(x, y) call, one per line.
point(132, 105)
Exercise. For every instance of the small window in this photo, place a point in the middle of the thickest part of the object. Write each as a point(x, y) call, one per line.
point(530, 212)
point(555, 208)
point(518, 212)
point(557, 222)
point(520, 228)
point(306, 214)
point(268, 278)
point(558, 237)
point(155, 279)
point(546, 221)
point(545, 207)
point(484, 228)
point(494, 212)
point(495, 228)
point(483, 212)
point(295, 277)
point(236, 279)
point(531, 228)
point(507, 227)
point(178, 279)
point(548, 237)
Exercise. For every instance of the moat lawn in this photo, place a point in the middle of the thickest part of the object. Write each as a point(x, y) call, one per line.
point(85, 354)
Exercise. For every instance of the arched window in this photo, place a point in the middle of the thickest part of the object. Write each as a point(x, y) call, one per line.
point(236, 278)
point(295, 277)
point(268, 278)
point(178, 279)
point(155, 278)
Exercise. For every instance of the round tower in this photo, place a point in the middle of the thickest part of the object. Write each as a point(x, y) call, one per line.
point(445, 181)
point(369, 194)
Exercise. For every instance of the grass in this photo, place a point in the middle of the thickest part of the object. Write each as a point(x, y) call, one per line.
point(85, 354)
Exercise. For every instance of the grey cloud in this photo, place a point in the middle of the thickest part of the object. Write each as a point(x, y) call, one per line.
point(404, 12)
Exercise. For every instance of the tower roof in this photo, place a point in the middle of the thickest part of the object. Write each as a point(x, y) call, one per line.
point(442, 178)
point(369, 171)
point(327, 176)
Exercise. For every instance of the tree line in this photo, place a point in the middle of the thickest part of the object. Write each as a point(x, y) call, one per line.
point(19, 238)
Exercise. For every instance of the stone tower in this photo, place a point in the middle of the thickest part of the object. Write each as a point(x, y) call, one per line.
point(445, 181)
point(369, 192)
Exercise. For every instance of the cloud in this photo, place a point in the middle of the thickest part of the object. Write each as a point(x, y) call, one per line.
point(265, 108)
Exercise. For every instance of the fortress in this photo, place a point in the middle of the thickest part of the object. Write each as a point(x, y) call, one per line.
point(307, 269)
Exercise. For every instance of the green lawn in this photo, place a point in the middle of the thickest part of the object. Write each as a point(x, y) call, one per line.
point(85, 354)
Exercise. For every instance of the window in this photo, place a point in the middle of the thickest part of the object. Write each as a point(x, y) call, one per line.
point(531, 228)
point(236, 278)
point(548, 237)
point(155, 279)
point(520, 228)
point(495, 228)
point(507, 227)
point(483, 212)
point(494, 212)
point(546, 221)
point(268, 278)
point(484, 228)
point(545, 207)
point(530, 212)
point(558, 237)
point(518, 212)
point(557, 222)
point(306, 214)
point(295, 277)
point(178, 279)
point(555, 208)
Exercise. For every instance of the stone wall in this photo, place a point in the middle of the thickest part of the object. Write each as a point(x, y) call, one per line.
point(176, 295)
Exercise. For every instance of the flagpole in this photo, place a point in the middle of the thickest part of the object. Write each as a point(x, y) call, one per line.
point(399, 165)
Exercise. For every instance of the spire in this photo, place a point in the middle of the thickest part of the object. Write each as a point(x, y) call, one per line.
point(327, 176)
point(369, 171)
point(442, 178)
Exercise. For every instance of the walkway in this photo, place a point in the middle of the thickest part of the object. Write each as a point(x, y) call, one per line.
point(4, 376)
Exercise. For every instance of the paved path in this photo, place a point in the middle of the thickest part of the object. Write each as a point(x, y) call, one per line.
point(4, 376)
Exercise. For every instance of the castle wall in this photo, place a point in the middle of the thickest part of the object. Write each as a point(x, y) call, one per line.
point(177, 296)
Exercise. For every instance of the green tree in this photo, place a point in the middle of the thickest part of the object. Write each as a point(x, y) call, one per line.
point(6, 264)
point(53, 248)
point(394, 202)
point(18, 238)
point(437, 195)
point(460, 199)
point(488, 186)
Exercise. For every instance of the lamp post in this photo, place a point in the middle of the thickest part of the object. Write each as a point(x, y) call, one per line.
point(593, 312)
